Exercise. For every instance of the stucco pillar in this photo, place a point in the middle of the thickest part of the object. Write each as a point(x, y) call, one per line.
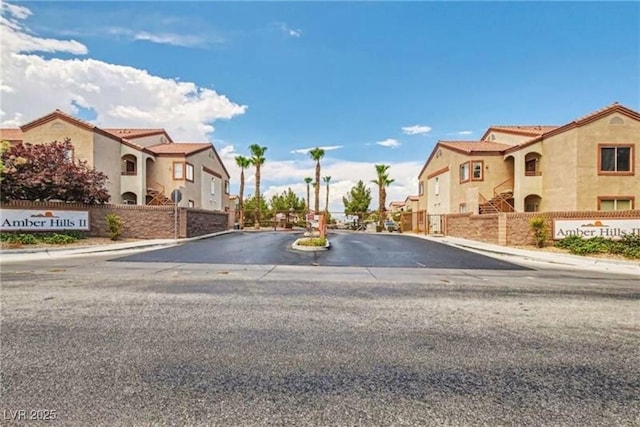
point(142, 187)
point(502, 229)
point(518, 174)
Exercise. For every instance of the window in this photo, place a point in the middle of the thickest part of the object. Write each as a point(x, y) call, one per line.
point(213, 186)
point(226, 187)
point(192, 204)
point(464, 172)
point(615, 203)
point(530, 167)
point(421, 188)
point(437, 187)
point(616, 159)
point(129, 165)
point(462, 208)
point(68, 155)
point(189, 168)
point(477, 166)
point(178, 170)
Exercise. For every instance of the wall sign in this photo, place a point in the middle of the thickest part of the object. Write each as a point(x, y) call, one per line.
point(589, 228)
point(43, 220)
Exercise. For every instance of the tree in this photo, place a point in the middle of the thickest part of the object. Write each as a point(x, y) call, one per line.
point(382, 181)
point(357, 201)
point(257, 159)
point(286, 202)
point(243, 163)
point(251, 207)
point(326, 180)
point(316, 154)
point(46, 172)
point(308, 180)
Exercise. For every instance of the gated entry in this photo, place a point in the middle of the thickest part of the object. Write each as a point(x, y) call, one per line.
point(422, 222)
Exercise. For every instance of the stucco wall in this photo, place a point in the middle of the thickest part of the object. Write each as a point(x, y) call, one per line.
point(59, 130)
point(495, 171)
point(590, 185)
point(106, 155)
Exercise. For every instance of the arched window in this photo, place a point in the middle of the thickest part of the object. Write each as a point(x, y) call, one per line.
point(437, 186)
point(616, 121)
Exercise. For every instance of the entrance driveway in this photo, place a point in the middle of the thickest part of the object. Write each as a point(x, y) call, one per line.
point(347, 250)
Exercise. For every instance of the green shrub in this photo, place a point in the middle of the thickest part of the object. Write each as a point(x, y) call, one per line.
point(540, 231)
point(114, 224)
point(628, 246)
point(57, 239)
point(313, 241)
point(21, 238)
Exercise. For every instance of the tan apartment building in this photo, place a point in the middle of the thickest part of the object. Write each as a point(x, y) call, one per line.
point(143, 165)
point(585, 165)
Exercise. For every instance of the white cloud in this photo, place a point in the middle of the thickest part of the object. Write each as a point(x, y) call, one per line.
point(416, 130)
point(389, 142)
point(15, 11)
point(174, 39)
point(325, 148)
point(121, 96)
point(292, 32)
point(465, 132)
point(278, 175)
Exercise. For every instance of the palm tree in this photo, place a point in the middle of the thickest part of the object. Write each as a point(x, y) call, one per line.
point(308, 180)
point(382, 182)
point(243, 163)
point(326, 180)
point(257, 159)
point(316, 154)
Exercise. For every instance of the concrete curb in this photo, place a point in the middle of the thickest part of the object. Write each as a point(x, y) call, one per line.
point(557, 259)
point(49, 253)
point(298, 247)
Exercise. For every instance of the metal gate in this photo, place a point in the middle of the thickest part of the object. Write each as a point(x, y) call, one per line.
point(423, 223)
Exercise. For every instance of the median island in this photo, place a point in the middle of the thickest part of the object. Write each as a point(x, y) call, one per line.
point(311, 244)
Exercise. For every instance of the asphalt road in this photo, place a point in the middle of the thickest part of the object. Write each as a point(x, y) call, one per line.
point(347, 249)
point(132, 343)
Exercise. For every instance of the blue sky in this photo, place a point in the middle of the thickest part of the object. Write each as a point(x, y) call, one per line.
point(379, 82)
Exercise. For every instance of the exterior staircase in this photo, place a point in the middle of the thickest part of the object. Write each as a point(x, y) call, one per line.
point(157, 197)
point(502, 200)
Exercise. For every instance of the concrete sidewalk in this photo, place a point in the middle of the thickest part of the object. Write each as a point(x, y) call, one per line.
point(34, 254)
point(553, 259)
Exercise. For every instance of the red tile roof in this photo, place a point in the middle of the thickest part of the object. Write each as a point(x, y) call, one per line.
point(525, 130)
point(11, 134)
point(134, 132)
point(474, 146)
point(185, 148)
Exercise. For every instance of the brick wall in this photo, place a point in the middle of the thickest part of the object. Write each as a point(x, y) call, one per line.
point(513, 229)
point(483, 228)
point(519, 231)
point(141, 222)
point(201, 222)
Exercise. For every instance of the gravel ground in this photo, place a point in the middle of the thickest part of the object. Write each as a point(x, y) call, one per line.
point(169, 348)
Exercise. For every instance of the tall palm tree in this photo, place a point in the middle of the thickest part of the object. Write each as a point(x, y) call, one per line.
point(382, 181)
point(326, 180)
point(316, 154)
point(243, 163)
point(257, 159)
point(308, 180)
